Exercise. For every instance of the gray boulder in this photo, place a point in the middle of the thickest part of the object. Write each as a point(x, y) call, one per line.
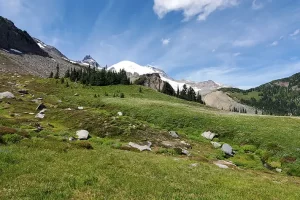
point(227, 149)
point(7, 95)
point(173, 134)
point(141, 147)
point(82, 134)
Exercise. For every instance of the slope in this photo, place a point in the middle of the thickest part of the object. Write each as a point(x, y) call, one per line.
point(110, 172)
point(279, 97)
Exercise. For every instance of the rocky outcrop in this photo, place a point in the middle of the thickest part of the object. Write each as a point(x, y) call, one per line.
point(152, 81)
point(13, 38)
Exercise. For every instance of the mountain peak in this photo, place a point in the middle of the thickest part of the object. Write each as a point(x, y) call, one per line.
point(90, 61)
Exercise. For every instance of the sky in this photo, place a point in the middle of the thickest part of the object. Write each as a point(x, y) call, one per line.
point(240, 43)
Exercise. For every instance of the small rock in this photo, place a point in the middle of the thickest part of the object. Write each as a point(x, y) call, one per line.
point(76, 94)
point(41, 107)
point(40, 98)
point(185, 144)
point(208, 135)
point(43, 111)
point(59, 101)
point(80, 108)
point(68, 109)
point(227, 149)
point(216, 145)
point(141, 147)
point(194, 165)
point(120, 113)
point(31, 113)
point(185, 152)
point(7, 95)
point(224, 164)
point(71, 139)
point(82, 134)
point(278, 170)
point(40, 116)
point(166, 144)
point(182, 151)
point(173, 134)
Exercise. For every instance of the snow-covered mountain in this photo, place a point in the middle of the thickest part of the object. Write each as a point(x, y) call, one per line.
point(135, 69)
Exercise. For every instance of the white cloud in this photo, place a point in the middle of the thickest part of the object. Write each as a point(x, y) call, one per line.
point(273, 44)
point(244, 43)
point(165, 42)
point(256, 5)
point(237, 54)
point(296, 32)
point(214, 50)
point(191, 8)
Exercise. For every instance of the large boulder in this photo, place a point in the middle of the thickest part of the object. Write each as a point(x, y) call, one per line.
point(82, 134)
point(6, 95)
point(208, 135)
point(141, 147)
point(227, 149)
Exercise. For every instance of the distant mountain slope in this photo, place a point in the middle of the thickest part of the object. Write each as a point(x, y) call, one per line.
point(49, 49)
point(136, 70)
point(12, 38)
point(279, 97)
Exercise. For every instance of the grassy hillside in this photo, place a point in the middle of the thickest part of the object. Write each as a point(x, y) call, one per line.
point(45, 165)
point(279, 97)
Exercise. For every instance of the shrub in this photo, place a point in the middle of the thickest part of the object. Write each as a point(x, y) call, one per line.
point(11, 138)
point(249, 148)
point(122, 95)
point(84, 145)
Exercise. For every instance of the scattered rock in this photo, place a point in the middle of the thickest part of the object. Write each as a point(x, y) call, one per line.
point(173, 134)
point(76, 94)
point(23, 91)
point(68, 109)
point(31, 113)
point(278, 170)
point(40, 98)
point(71, 139)
point(182, 151)
point(59, 101)
point(82, 134)
point(216, 145)
point(43, 111)
point(141, 147)
point(208, 135)
point(120, 113)
point(186, 144)
point(80, 108)
point(227, 149)
point(6, 95)
point(40, 116)
point(167, 144)
point(41, 107)
point(224, 164)
point(194, 165)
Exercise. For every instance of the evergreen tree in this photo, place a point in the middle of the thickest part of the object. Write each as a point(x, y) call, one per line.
point(199, 98)
point(51, 75)
point(183, 92)
point(62, 80)
point(67, 74)
point(167, 89)
point(191, 94)
point(57, 72)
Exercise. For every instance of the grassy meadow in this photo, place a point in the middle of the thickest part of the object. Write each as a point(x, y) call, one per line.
point(46, 165)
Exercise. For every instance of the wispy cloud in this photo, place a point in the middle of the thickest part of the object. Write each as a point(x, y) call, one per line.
point(296, 32)
point(237, 54)
point(191, 8)
point(273, 44)
point(165, 42)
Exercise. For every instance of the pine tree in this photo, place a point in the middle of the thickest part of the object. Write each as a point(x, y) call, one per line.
point(51, 75)
point(57, 72)
point(67, 74)
point(62, 80)
point(140, 90)
point(199, 98)
point(67, 85)
point(183, 92)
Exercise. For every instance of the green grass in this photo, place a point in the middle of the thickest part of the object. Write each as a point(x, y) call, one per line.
point(48, 166)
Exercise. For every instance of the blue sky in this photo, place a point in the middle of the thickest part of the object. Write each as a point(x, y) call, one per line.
point(241, 43)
